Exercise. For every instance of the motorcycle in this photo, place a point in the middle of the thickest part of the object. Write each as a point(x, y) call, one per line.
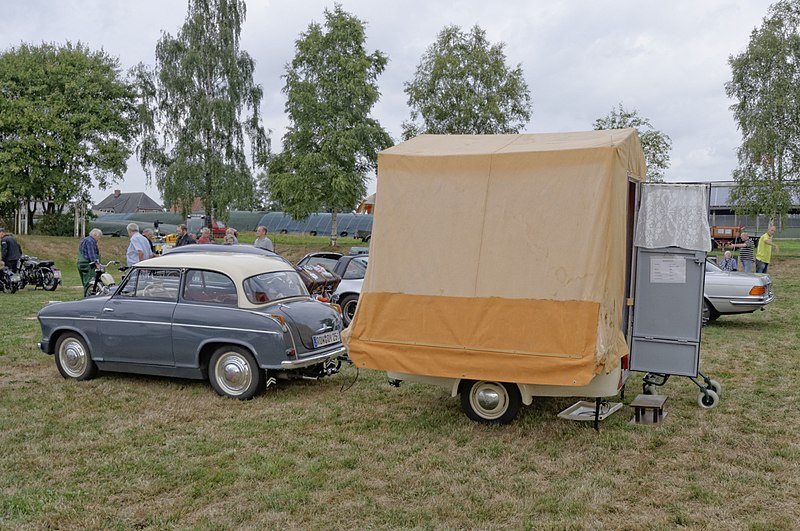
point(102, 283)
point(39, 273)
point(9, 281)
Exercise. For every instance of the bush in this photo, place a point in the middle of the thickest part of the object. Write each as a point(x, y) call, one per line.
point(56, 225)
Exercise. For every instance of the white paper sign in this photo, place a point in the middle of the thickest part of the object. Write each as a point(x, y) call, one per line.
point(667, 270)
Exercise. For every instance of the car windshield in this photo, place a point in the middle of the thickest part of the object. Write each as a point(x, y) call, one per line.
point(269, 287)
point(711, 266)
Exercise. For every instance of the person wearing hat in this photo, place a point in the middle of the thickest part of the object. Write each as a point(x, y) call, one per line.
point(11, 251)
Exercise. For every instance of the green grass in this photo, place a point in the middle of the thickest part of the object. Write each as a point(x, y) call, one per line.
point(124, 451)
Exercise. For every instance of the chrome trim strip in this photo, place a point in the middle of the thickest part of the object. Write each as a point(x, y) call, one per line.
point(313, 360)
point(271, 332)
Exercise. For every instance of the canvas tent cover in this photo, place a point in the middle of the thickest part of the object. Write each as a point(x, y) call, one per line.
point(499, 257)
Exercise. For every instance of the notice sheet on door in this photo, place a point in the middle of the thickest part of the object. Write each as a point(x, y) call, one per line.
point(667, 270)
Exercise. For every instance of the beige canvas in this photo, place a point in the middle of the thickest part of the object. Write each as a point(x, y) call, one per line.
point(499, 257)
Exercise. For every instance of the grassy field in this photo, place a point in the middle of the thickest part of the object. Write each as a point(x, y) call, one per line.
point(133, 452)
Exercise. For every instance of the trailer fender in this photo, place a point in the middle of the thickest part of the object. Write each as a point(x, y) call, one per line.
point(527, 397)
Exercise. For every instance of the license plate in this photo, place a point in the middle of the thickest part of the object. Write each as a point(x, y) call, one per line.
point(57, 273)
point(328, 338)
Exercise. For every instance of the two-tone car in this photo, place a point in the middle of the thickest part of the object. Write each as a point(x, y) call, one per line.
point(242, 322)
point(734, 292)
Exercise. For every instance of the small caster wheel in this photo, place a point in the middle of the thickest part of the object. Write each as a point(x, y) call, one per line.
point(708, 400)
point(649, 389)
point(715, 386)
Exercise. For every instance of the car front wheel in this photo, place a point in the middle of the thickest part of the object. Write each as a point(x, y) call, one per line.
point(73, 359)
point(233, 372)
point(490, 402)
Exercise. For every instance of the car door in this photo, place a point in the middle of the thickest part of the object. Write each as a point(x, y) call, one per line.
point(136, 322)
point(207, 312)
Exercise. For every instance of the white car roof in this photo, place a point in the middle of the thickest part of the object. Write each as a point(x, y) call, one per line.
point(238, 266)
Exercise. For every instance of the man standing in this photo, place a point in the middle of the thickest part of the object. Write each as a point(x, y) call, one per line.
point(139, 246)
point(89, 256)
point(764, 251)
point(184, 238)
point(262, 242)
point(11, 251)
point(746, 252)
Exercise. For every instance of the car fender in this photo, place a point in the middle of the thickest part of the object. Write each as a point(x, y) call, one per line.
point(57, 332)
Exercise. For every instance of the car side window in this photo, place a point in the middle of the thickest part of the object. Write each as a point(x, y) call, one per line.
point(159, 284)
point(209, 287)
point(357, 268)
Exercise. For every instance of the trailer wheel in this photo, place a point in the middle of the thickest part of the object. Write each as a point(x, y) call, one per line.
point(490, 402)
point(715, 386)
point(708, 400)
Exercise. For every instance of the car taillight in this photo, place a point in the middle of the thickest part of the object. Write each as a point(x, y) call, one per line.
point(758, 290)
point(291, 353)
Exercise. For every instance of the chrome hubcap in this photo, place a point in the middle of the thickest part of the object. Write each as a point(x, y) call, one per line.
point(233, 373)
point(73, 357)
point(489, 400)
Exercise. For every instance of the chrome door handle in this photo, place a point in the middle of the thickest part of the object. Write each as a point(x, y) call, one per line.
point(108, 309)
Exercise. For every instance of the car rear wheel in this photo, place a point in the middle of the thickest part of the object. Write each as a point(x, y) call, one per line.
point(233, 372)
point(490, 402)
point(73, 359)
point(348, 304)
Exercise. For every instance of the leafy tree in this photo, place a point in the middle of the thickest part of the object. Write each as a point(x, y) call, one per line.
point(655, 144)
point(331, 143)
point(463, 86)
point(766, 84)
point(67, 122)
point(197, 106)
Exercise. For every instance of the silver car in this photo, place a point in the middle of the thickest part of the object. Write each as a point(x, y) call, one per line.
point(734, 292)
point(242, 324)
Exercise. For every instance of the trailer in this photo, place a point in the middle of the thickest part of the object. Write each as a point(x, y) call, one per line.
point(515, 278)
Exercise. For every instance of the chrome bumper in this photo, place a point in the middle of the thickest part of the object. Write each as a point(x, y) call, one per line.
point(754, 301)
point(313, 360)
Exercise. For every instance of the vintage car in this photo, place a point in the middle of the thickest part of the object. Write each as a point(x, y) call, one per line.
point(351, 268)
point(734, 292)
point(242, 324)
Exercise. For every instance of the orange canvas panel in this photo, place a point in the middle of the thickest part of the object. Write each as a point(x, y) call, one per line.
point(519, 340)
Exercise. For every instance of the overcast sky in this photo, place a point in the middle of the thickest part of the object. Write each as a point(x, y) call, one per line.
point(668, 60)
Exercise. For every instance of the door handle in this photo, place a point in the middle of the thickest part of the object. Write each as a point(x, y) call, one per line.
point(108, 309)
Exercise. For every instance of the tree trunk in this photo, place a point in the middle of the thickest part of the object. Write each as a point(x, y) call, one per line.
point(333, 229)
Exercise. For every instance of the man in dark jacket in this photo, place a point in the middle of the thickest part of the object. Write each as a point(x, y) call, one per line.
point(11, 252)
point(184, 238)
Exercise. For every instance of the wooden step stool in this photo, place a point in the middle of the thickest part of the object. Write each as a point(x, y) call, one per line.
point(648, 409)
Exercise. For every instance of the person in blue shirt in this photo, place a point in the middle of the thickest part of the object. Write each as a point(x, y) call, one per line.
point(728, 263)
point(89, 256)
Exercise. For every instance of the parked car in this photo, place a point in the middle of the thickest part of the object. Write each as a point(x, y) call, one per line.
point(729, 293)
point(242, 324)
point(352, 269)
